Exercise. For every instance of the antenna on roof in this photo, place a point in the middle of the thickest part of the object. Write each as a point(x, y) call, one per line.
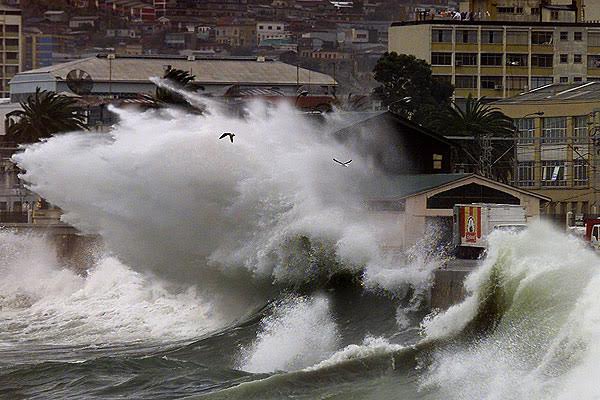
point(80, 82)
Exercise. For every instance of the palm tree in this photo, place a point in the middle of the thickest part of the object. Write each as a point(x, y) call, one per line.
point(179, 78)
point(43, 114)
point(164, 97)
point(483, 123)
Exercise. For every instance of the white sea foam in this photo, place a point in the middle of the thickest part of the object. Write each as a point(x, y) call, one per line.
point(169, 197)
point(545, 345)
point(40, 301)
point(371, 346)
point(300, 333)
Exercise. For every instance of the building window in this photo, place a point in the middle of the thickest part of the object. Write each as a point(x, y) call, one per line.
point(577, 58)
point(564, 79)
point(578, 36)
point(539, 81)
point(593, 38)
point(466, 36)
point(491, 82)
point(465, 82)
point(554, 15)
point(517, 60)
point(441, 58)
point(580, 172)
point(564, 36)
point(491, 59)
point(580, 129)
point(540, 37)
point(525, 173)
point(553, 173)
point(542, 60)
point(594, 61)
point(437, 161)
point(578, 79)
point(517, 82)
point(554, 130)
point(535, 11)
point(441, 36)
point(526, 130)
point(505, 10)
point(564, 58)
point(465, 59)
point(517, 37)
point(491, 37)
point(12, 28)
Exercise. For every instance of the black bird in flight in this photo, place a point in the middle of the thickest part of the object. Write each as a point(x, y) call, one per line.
point(345, 164)
point(231, 135)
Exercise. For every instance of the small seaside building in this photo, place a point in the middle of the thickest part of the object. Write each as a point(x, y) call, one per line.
point(419, 191)
point(412, 207)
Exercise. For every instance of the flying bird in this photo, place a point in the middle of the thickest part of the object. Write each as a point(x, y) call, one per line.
point(345, 164)
point(231, 135)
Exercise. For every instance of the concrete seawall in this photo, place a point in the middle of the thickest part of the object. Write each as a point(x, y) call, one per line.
point(75, 250)
point(448, 286)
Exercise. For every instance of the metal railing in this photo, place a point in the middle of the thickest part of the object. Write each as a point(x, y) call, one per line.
point(11, 217)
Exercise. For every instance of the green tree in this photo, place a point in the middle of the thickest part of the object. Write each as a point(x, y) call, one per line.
point(180, 79)
point(43, 114)
point(408, 87)
point(490, 155)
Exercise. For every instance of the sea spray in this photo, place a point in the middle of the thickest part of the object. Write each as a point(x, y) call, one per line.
point(169, 197)
point(544, 334)
point(43, 302)
point(299, 333)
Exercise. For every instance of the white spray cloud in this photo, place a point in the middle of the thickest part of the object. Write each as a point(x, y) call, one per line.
point(169, 197)
point(42, 302)
point(300, 333)
point(545, 345)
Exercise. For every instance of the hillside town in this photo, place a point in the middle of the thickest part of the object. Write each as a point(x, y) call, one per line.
point(537, 64)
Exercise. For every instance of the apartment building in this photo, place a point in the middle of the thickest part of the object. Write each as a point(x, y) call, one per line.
point(41, 49)
point(10, 46)
point(271, 30)
point(528, 10)
point(557, 151)
point(236, 34)
point(499, 59)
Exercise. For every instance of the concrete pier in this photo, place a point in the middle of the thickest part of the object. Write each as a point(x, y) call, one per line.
point(73, 249)
point(448, 283)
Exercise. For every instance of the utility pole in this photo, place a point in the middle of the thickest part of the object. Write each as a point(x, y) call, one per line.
point(110, 57)
point(485, 155)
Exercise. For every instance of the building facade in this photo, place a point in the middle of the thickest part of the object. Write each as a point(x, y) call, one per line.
point(271, 30)
point(527, 10)
point(11, 46)
point(41, 50)
point(557, 152)
point(499, 59)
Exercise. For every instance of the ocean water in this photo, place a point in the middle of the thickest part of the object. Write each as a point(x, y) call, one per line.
point(229, 272)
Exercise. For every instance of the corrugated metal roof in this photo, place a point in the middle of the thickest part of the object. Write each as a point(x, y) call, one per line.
point(581, 91)
point(211, 71)
point(402, 186)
